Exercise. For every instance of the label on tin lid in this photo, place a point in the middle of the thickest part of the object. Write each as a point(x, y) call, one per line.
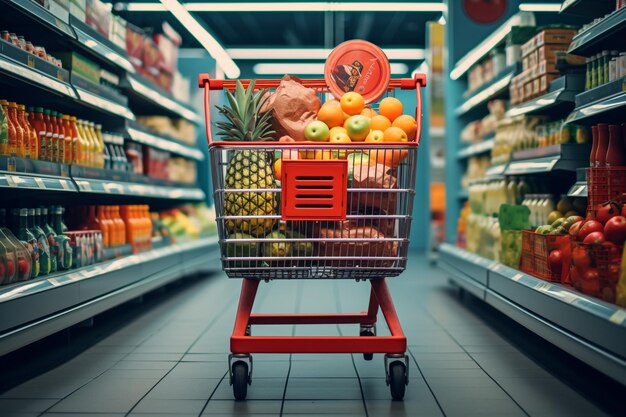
point(358, 66)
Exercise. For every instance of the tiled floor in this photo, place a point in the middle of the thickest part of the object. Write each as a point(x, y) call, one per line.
point(171, 360)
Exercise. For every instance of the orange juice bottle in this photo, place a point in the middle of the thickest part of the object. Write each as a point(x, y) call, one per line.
point(59, 148)
point(75, 141)
point(10, 147)
point(118, 231)
point(105, 227)
point(29, 136)
point(121, 225)
point(69, 139)
point(83, 143)
point(33, 137)
point(19, 131)
point(93, 146)
point(131, 228)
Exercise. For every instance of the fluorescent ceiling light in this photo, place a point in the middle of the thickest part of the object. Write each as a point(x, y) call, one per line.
point(309, 69)
point(207, 41)
point(476, 54)
point(313, 6)
point(313, 53)
point(539, 7)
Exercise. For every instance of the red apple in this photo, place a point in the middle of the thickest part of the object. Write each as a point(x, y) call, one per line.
point(590, 226)
point(575, 228)
point(615, 230)
point(594, 238)
point(11, 267)
point(555, 261)
point(591, 282)
point(581, 258)
point(608, 210)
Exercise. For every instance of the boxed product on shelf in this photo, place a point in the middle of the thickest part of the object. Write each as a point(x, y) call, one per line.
point(118, 32)
point(80, 65)
point(59, 8)
point(478, 130)
point(168, 41)
point(180, 129)
point(19, 48)
point(182, 170)
point(98, 16)
point(135, 44)
point(78, 9)
point(181, 87)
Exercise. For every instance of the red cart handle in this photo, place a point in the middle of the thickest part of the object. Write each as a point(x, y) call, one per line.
point(204, 81)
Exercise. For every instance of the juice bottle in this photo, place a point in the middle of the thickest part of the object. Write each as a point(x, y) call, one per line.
point(50, 236)
point(49, 134)
point(19, 265)
point(69, 140)
point(130, 233)
point(19, 131)
point(105, 227)
point(8, 255)
point(95, 145)
point(615, 153)
point(119, 225)
point(61, 139)
point(29, 240)
point(82, 144)
point(603, 144)
point(31, 144)
point(8, 147)
point(65, 255)
point(75, 141)
point(85, 143)
point(39, 126)
point(106, 154)
point(101, 147)
point(45, 263)
point(148, 220)
point(54, 127)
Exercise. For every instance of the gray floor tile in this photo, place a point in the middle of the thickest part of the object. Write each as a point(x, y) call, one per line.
point(11, 405)
point(205, 357)
point(323, 388)
point(325, 407)
point(154, 406)
point(199, 370)
point(141, 365)
point(323, 369)
point(183, 389)
point(261, 389)
point(45, 389)
point(242, 408)
point(82, 415)
point(152, 357)
point(136, 373)
point(386, 408)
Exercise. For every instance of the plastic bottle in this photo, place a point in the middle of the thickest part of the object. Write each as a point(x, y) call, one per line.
point(101, 146)
point(39, 126)
point(32, 142)
point(69, 140)
point(61, 139)
point(87, 144)
point(29, 240)
point(75, 141)
point(83, 145)
point(603, 144)
point(615, 153)
point(93, 145)
point(105, 227)
point(122, 225)
point(594, 146)
point(55, 142)
point(11, 146)
point(65, 255)
point(131, 227)
point(50, 236)
point(45, 263)
point(20, 150)
point(106, 155)
point(20, 270)
point(49, 135)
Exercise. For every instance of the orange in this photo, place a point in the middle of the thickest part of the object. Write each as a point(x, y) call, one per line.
point(352, 103)
point(408, 124)
point(388, 157)
point(346, 116)
point(395, 134)
point(369, 112)
point(380, 123)
point(330, 114)
point(309, 154)
point(340, 137)
point(278, 169)
point(390, 107)
point(375, 136)
point(324, 155)
point(332, 102)
point(337, 129)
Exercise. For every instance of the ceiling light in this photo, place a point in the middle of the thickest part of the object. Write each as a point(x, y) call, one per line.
point(538, 7)
point(313, 53)
point(317, 6)
point(207, 41)
point(310, 69)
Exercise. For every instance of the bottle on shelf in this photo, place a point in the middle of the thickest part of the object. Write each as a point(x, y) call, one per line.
point(615, 153)
point(65, 254)
point(55, 142)
point(603, 144)
point(10, 148)
point(19, 131)
point(101, 147)
point(106, 155)
point(49, 135)
point(39, 125)
point(28, 239)
point(61, 139)
point(31, 143)
point(69, 140)
point(20, 270)
point(105, 227)
point(93, 144)
point(45, 263)
point(82, 144)
point(120, 225)
point(50, 236)
point(594, 146)
point(75, 141)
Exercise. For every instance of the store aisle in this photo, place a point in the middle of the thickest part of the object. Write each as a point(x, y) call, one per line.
point(171, 359)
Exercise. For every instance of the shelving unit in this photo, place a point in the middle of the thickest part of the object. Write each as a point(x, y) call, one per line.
point(606, 34)
point(495, 89)
point(39, 307)
point(476, 149)
point(588, 328)
point(559, 100)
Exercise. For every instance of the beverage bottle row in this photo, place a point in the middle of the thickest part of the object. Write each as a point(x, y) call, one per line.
point(33, 244)
point(608, 146)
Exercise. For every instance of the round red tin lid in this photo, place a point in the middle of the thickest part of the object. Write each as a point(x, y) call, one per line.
point(358, 66)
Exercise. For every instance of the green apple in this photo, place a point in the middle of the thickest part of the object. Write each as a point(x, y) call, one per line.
point(317, 131)
point(358, 127)
point(554, 216)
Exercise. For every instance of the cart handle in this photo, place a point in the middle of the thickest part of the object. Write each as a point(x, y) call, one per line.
point(204, 81)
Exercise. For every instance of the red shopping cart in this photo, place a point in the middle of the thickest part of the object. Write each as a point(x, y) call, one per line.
point(340, 211)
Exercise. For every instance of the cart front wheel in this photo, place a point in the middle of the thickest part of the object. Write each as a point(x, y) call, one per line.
point(397, 380)
point(240, 380)
point(366, 333)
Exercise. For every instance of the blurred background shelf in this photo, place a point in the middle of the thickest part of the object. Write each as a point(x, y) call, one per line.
point(607, 34)
point(476, 149)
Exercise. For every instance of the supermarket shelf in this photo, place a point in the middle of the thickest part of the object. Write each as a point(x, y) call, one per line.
point(565, 157)
point(34, 77)
point(41, 16)
point(607, 34)
point(24, 181)
point(100, 46)
point(579, 189)
point(587, 8)
point(159, 99)
point(100, 103)
point(476, 149)
point(599, 110)
point(35, 309)
point(588, 328)
point(560, 98)
point(437, 132)
point(163, 143)
point(484, 48)
point(96, 186)
point(491, 91)
point(495, 171)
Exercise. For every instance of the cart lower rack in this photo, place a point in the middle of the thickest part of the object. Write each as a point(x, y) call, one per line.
point(303, 210)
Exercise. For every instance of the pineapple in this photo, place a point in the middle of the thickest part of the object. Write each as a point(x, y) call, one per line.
point(248, 169)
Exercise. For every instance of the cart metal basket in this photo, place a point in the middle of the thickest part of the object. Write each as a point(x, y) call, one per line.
point(340, 210)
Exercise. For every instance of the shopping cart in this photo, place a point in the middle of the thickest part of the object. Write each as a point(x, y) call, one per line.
point(340, 211)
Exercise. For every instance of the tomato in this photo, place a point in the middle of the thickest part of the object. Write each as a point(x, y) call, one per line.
point(608, 210)
point(590, 226)
point(594, 238)
point(614, 270)
point(575, 277)
point(575, 228)
point(581, 258)
point(591, 282)
point(555, 261)
point(615, 230)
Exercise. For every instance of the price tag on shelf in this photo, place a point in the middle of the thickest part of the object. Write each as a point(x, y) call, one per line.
point(517, 277)
point(86, 186)
point(40, 184)
point(618, 317)
point(64, 185)
point(11, 180)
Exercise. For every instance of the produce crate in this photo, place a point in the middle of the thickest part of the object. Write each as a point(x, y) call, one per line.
point(536, 249)
point(595, 269)
point(604, 184)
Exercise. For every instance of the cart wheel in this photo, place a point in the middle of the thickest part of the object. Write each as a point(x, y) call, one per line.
point(240, 380)
point(248, 331)
point(367, 356)
point(397, 380)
